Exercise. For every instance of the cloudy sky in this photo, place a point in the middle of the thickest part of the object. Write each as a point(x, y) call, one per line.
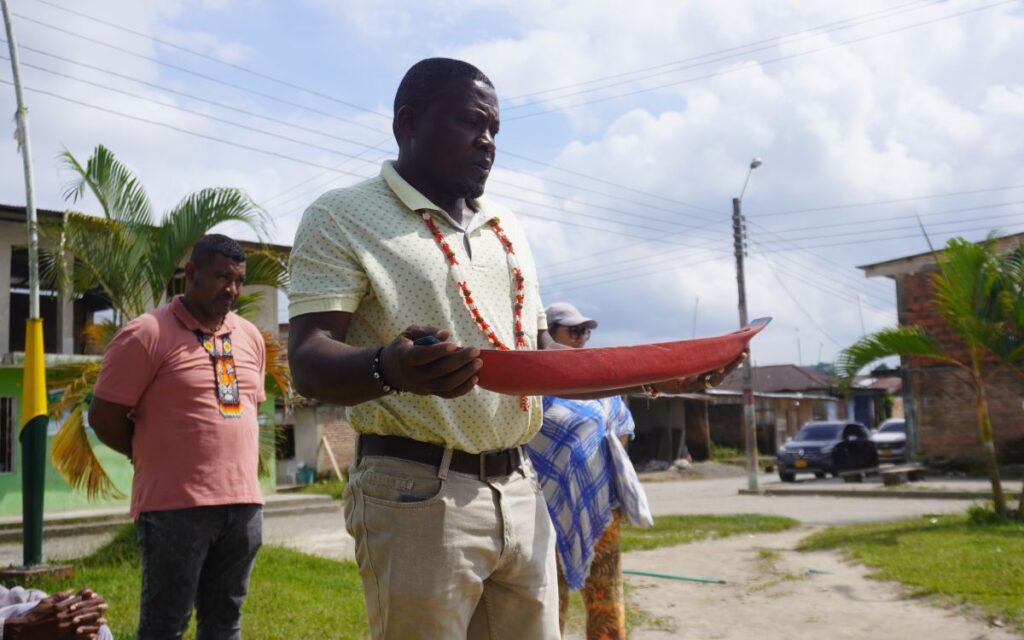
point(627, 129)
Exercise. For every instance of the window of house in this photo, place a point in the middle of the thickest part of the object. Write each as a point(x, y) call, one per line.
point(8, 432)
point(286, 442)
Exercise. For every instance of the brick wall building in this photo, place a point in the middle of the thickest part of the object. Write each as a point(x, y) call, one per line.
point(939, 404)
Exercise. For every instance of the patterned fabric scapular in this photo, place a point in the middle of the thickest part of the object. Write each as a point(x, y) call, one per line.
point(224, 375)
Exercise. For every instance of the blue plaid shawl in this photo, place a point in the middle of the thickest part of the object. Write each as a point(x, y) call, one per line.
point(573, 465)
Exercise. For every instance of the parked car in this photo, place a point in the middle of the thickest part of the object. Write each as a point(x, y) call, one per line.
point(891, 440)
point(826, 447)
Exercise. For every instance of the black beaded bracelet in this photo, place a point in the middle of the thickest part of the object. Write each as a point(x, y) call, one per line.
point(378, 373)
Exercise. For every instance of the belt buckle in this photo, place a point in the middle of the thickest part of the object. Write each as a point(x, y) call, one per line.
point(483, 455)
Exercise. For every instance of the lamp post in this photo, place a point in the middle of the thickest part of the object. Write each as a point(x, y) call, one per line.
point(739, 246)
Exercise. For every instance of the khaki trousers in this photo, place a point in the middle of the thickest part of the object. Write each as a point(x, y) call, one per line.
point(443, 554)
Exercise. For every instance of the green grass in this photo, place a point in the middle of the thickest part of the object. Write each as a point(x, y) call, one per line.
point(725, 454)
point(956, 558)
point(291, 594)
point(295, 595)
point(673, 530)
point(333, 488)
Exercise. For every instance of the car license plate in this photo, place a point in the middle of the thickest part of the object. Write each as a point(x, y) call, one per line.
point(800, 464)
point(885, 453)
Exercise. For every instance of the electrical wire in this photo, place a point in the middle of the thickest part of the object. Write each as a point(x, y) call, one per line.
point(888, 217)
point(757, 63)
point(888, 239)
point(232, 85)
point(210, 58)
point(743, 50)
point(877, 230)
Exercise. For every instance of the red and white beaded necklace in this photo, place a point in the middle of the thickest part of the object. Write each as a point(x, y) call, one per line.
point(518, 292)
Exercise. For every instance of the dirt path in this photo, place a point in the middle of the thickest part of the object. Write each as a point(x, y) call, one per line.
point(768, 595)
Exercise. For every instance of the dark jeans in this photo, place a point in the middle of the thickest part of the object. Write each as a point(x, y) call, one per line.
point(201, 556)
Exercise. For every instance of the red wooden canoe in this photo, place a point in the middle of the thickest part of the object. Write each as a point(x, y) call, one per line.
point(569, 371)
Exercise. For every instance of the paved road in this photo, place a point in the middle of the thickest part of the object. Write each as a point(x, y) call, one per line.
point(721, 496)
point(324, 534)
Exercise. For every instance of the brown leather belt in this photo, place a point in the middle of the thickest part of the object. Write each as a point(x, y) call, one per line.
point(489, 464)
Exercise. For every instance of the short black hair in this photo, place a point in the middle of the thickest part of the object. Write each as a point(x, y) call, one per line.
point(427, 77)
point(213, 244)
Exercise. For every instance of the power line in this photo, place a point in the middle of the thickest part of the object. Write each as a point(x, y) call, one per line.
point(614, 184)
point(873, 203)
point(612, 268)
point(621, 249)
point(843, 275)
point(628, 222)
point(197, 74)
point(799, 305)
point(678, 66)
point(831, 291)
point(204, 56)
point(756, 63)
point(185, 131)
point(629, 277)
point(300, 160)
point(258, 93)
point(698, 57)
point(862, 219)
point(888, 239)
point(888, 229)
point(378, 146)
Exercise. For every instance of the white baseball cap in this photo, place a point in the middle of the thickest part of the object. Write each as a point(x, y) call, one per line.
point(566, 315)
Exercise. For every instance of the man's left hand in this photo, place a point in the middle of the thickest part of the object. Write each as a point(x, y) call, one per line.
point(706, 380)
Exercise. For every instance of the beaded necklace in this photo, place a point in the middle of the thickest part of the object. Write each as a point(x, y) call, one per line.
point(518, 293)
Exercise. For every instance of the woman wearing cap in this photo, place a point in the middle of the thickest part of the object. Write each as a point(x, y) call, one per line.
point(572, 460)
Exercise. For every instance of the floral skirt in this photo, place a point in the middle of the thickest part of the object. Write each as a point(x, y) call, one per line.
point(603, 597)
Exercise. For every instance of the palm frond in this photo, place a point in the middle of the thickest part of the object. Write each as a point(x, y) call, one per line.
point(266, 267)
point(99, 334)
point(75, 460)
point(119, 193)
point(191, 219)
point(248, 304)
point(72, 454)
point(108, 256)
point(896, 341)
point(278, 382)
point(279, 376)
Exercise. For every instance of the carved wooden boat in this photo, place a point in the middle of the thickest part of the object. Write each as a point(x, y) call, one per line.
point(569, 371)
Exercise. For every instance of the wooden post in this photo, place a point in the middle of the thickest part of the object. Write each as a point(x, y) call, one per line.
point(330, 454)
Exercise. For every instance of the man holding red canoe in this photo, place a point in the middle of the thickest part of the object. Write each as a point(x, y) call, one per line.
point(453, 539)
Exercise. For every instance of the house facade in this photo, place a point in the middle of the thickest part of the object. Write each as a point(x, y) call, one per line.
point(785, 397)
point(939, 404)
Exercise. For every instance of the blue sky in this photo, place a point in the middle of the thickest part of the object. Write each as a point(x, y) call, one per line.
point(865, 115)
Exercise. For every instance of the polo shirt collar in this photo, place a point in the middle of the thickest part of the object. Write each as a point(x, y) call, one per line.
point(183, 315)
point(416, 201)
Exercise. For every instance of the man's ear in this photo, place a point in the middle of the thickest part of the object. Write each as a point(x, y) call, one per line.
point(190, 271)
point(405, 123)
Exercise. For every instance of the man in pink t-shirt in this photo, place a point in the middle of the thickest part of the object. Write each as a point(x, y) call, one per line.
point(178, 393)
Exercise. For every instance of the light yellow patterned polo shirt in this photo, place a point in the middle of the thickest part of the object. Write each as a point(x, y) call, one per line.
point(365, 250)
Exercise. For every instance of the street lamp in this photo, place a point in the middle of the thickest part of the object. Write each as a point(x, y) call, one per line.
point(739, 246)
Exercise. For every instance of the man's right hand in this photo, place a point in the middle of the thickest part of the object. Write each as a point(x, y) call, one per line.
point(443, 369)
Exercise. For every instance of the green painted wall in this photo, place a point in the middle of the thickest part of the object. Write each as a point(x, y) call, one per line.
point(61, 497)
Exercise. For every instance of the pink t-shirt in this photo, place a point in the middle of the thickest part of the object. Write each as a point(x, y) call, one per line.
point(185, 453)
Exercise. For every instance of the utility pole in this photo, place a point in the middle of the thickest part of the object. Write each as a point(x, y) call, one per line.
point(34, 414)
point(749, 417)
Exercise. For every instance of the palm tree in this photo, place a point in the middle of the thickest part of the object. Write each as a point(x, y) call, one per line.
point(977, 292)
point(132, 261)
